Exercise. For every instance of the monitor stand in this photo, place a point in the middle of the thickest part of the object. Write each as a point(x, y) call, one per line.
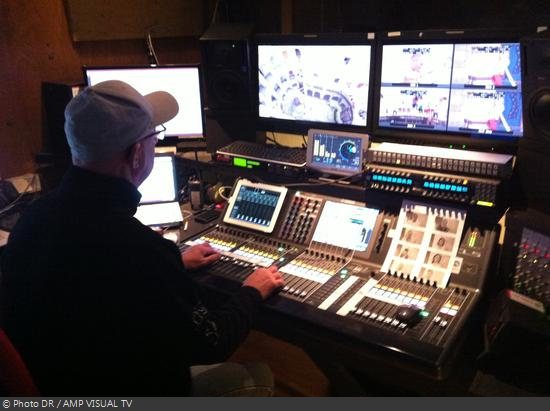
point(332, 179)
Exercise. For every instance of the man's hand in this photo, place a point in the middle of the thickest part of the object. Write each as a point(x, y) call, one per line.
point(199, 255)
point(265, 280)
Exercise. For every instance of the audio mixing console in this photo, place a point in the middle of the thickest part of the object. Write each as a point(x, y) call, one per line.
point(403, 279)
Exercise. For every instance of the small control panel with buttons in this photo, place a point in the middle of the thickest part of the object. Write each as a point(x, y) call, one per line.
point(525, 257)
point(532, 274)
point(301, 218)
point(482, 192)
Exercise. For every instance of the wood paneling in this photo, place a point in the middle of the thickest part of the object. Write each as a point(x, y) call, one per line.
point(129, 19)
point(35, 46)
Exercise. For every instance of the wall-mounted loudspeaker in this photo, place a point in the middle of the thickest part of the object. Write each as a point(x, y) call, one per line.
point(226, 64)
point(536, 87)
point(533, 157)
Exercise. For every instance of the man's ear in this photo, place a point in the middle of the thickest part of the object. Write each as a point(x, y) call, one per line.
point(136, 156)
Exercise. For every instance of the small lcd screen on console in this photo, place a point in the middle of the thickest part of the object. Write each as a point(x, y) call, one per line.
point(255, 206)
point(472, 88)
point(346, 225)
point(335, 152)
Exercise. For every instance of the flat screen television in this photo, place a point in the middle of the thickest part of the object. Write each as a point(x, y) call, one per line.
point(313, 81)
point(182, 81)
point(450, 87)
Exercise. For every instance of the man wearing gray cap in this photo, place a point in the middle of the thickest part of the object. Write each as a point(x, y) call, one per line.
point(98, 304)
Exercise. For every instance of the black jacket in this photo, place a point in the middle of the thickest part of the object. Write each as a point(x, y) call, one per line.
point(98, 304)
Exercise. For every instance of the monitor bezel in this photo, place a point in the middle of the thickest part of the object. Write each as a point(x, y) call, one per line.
point(449, 139)
point(332, 170)
point(174, 179)
point(197, 66)
point(325, 39)
point(268, 187)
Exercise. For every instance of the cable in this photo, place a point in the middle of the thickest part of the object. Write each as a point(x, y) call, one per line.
point(153, 60)
point(220, 192)
point(25, 191)
point(215, 13)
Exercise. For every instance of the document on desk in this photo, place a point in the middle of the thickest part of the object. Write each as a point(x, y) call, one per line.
point(4, 235)
point(425, 243)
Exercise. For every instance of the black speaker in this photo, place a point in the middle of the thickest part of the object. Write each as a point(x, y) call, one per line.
point(55, 97)
point(226, 64)
point(533, 157)
point(536, 87)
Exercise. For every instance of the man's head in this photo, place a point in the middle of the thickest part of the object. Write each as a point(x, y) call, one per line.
point(111, 126)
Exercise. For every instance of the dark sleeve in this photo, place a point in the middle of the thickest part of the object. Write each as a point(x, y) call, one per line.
point(217, 333)
point(211, 333)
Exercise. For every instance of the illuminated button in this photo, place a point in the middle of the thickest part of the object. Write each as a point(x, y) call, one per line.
point(424, 313)
point(447, 187)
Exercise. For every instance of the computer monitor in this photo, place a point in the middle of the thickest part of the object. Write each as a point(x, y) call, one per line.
point(463, 86)
point(255, 205)
point(338, 153)
point(161, 185)
point(182, 81)
point(317, 81)
point(355, 225)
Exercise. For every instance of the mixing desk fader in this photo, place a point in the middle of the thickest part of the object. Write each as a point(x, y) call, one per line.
point(404, 280)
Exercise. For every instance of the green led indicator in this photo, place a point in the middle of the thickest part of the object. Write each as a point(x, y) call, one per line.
point(239, 162)
point(424, 313)
point(253, 163)
point(281, 249)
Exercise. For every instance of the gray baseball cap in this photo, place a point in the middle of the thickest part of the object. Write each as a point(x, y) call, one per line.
point(104, 120)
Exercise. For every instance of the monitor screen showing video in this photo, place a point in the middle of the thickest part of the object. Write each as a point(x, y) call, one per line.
point(255, 205)
point(314, 83)
point(355, 225)
point(183, 82)
point(472, 88)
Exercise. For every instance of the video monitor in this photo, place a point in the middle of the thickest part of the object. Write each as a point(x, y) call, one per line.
point(336, 152)
point(182, 81)
point(315, 81)
point(454, 86)
point(255, 205)
point(354, 223)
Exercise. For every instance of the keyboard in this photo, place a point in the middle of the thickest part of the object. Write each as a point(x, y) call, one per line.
point(295, 157)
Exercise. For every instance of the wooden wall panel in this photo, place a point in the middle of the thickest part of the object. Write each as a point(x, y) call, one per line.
point(129, 19)
point(35, 46)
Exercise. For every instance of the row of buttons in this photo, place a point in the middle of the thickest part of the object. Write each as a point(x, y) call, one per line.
point(308, 272)
point(463, 166)
point(378, 317)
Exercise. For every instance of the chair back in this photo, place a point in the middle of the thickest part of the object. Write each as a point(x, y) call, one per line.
point(15, 379)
